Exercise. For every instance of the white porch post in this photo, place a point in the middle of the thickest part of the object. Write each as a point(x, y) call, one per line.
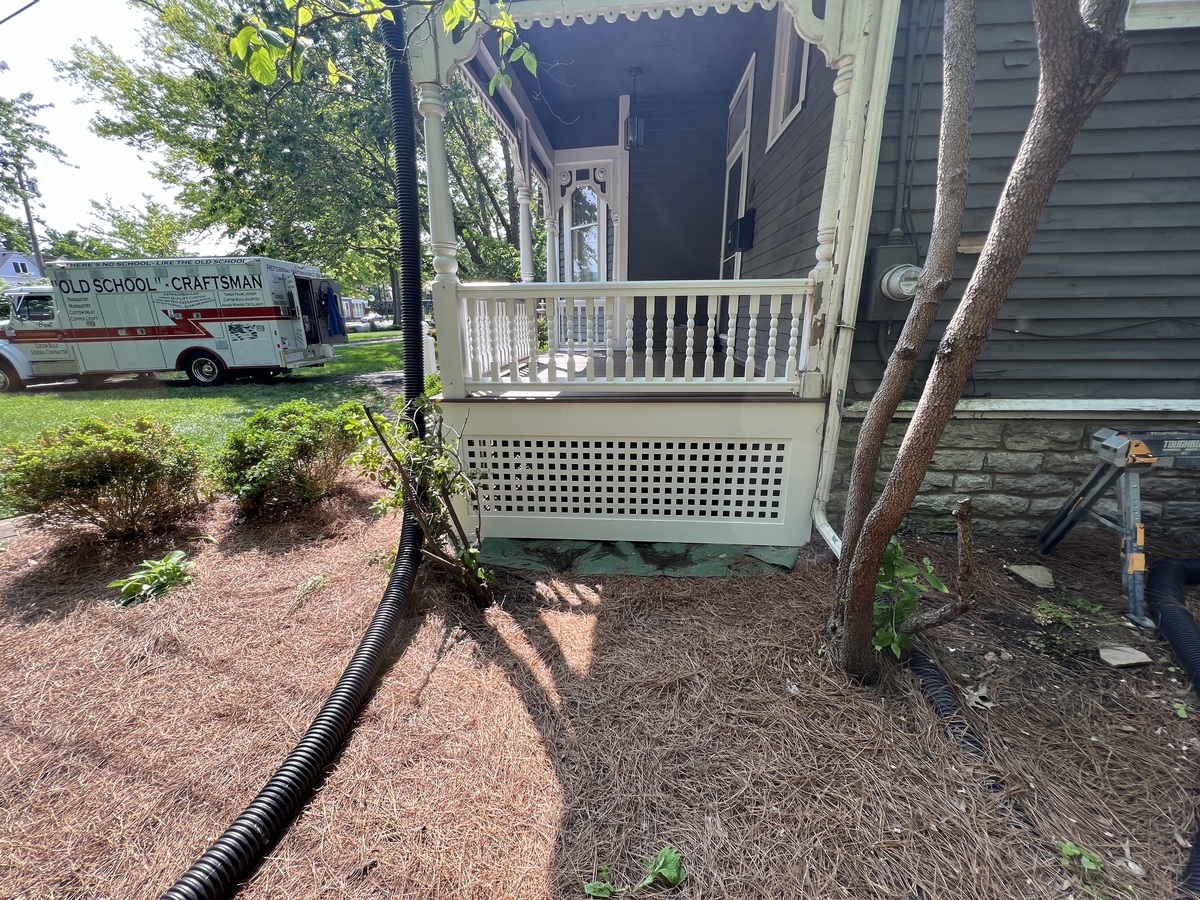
point(526, 232)
point(826, 317)
point(448, 313)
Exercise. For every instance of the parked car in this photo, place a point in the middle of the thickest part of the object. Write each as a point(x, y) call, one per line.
point(357, 326)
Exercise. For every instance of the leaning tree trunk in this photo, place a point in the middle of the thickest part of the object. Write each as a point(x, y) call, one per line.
point(1081, 54)
point(953, 172)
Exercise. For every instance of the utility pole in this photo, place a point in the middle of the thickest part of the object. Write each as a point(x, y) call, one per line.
point(23, 186)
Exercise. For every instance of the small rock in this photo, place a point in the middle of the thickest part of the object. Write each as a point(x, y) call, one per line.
point(1038, 576)
point(1123, 657)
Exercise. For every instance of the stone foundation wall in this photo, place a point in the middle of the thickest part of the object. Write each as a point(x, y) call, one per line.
point(1018, 472)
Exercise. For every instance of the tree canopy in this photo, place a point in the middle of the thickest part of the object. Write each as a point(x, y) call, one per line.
point(296, 169)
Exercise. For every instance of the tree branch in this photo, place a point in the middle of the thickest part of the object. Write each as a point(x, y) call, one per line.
point(963, 600)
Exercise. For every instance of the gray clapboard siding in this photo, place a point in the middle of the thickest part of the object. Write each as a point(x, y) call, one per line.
point(1107, 303)
point(675, 188)
point(784, 185)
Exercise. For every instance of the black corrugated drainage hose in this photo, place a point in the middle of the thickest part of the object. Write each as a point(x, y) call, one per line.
point(944, 699)
point(1165, 592)
point(216, 873)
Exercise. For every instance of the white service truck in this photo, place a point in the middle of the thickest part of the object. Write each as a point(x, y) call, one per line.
point(211, 318)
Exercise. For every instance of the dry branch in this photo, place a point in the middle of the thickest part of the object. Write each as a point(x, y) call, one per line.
point(963, 600)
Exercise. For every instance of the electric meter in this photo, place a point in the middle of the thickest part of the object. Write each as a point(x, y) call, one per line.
point(900, 282)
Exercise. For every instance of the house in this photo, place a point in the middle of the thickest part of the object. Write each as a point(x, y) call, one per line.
point(725, 185)
point(17, 268)
point(354, 307)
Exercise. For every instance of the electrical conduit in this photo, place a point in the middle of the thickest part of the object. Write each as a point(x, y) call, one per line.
point(230, 858)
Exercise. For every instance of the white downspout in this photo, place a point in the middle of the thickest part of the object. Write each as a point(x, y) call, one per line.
point(866, 166)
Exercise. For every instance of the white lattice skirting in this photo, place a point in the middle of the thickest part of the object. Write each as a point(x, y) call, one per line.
point(699, 472)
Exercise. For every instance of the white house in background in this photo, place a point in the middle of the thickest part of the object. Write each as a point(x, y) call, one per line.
point(354, 307)
point(17, 268)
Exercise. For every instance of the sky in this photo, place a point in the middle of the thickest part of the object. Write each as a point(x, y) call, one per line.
point(105, 169)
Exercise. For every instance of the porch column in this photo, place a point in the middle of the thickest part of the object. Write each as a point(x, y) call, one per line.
point(526, 232)
point(825, 317)
point(448, 313)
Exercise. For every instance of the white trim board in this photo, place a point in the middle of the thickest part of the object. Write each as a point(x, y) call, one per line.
point(1177, 410)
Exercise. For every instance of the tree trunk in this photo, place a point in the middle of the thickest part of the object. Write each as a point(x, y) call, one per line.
point(510, 190)
point(954, 162)
point(1080, 62)
point(394, 277)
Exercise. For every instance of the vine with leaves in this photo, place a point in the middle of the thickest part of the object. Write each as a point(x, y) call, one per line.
point(428, 473)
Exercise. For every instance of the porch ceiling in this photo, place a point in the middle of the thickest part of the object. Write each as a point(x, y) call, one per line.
point(694, 54)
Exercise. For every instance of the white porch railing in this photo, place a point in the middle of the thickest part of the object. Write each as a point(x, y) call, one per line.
point(684, 336)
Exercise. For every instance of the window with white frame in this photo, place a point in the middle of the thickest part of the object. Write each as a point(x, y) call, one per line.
point(789, 76)
point(21, 268)
point(1148, 14)
point(584, 228)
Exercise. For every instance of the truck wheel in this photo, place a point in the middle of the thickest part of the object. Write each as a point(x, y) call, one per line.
point(204, 370)
point(9, 380)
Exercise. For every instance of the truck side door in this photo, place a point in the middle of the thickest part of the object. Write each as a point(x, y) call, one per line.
point(87, 330)
point(40, 335)
point(132, 326)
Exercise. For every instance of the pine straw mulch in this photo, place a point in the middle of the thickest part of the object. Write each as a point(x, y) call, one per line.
point(511, 753)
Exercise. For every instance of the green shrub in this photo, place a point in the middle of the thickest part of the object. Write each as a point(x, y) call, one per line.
point(433, 384)
point(124, 477)
point(291, 453)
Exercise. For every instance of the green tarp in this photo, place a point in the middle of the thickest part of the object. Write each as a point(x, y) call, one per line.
point(636, 558)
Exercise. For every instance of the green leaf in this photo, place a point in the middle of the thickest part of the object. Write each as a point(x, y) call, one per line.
point(303, 16)
point(454, 13)
point(274, 39)
point(884, 637)
point(530, 62)
point(239, 46)
point(370, 20)
point(262, 67)
point(936, 583)
point(503, 20)
point(668, 866)
point(598, 889)
point(296, 66)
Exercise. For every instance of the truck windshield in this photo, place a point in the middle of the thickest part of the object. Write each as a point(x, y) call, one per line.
point(33, 308)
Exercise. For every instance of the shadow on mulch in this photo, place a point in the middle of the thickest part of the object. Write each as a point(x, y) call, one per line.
point(63, 573)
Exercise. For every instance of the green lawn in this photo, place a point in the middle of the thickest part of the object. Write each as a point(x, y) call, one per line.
point(203, 414)
point(376, 335)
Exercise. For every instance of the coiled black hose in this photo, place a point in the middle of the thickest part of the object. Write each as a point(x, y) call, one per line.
point(215, 874)
point(944, 699)
point(1165, 595)
point(1165, 592)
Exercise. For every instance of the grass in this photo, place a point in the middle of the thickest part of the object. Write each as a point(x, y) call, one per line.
point(359, 359)
point(205, 415)
point(377, 334)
